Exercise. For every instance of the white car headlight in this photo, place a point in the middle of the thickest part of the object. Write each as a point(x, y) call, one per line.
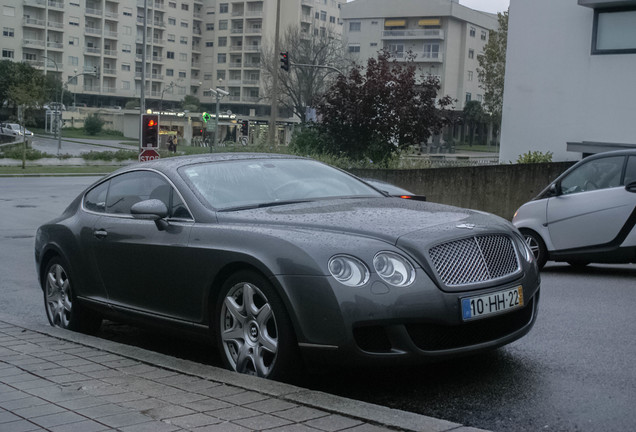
point(348, 270)
point(394, 269)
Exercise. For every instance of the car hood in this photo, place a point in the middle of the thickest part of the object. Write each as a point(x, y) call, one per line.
point(388, 219)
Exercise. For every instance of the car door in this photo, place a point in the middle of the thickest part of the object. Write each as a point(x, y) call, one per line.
point(143, 268)
point(593, 206)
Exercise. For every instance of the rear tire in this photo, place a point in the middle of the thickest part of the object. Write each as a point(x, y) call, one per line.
point(61, 305)
point(253, 330)
point(537, 246)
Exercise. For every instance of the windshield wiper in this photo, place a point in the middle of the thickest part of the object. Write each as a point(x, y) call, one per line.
point(263, 205)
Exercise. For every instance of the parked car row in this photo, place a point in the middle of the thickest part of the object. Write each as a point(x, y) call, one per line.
point(14, 129)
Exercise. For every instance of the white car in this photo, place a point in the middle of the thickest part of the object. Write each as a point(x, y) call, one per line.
point(587, 214)
point(13, 129)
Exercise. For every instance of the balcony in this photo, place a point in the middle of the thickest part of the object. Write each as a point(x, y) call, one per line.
point(55, 24)
point(110, 53)
point(111, 14)
point(91, 88)
point(158, 23)
point(249, 82)
point(111, 34)
point(197, 15)
point(420, 56)
point(157, 59)
point(252, 48)
point(413, 34)
point(235, 48)
point(92, 51)
point(56, 4)
point(55, 45)
point(237, 13)
point(33, 43)
point(195, 65)
point(254, 30)
point(157, 77)
point(109, 71)
point(109, 90)
point(35, 3)
point(253, 65)
point(238, 30)
point(32, 22)
point(93, 31)
point(158, 41)
point(254, 13)
point(235, 65)
point(94, 12)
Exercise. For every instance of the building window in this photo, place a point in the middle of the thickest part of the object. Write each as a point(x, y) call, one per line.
point(614, 31)
point(10, 12)
point(172, 5)
point(125, 85)
point(480, 98)
point(74, 21)
point(471, 53)
point(8, 31)
point(127, 12)
point(332, 19)
point(468, 97)
point(183, 40)
point(209, 44)
point(223, 25)
point(184, 6)
point(373, 44)
point(472, 31)
point(223, 8)
point(323, 16)
point(72, 40)
point(222, 41)
point(171, 38)
point(221, 58)
point(354, 48)
point(355, 26)
point(29, 57)
point(182, 74)
point(470, 75)
point(184, 24)
point(209, 27)
point(183, 57)
point(73, 61)
point(125, 67)
point(125, 48)
point(483, 35)
point(169, 72)
point(170, 55)
point(220, 75)
point(7, 53)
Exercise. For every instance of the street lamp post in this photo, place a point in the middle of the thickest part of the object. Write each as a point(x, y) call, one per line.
point(219, 94)
point(58, 110)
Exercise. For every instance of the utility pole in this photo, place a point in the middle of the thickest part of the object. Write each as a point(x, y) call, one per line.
point(274, 111)
point(142, 99)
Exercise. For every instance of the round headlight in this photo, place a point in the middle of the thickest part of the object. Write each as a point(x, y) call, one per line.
point(394, 269)
point(348, 270)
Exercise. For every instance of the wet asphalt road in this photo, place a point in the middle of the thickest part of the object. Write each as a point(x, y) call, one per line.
point(575, 371)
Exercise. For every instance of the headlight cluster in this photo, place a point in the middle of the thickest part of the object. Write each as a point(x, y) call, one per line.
point(391, 267)
point(525, 249)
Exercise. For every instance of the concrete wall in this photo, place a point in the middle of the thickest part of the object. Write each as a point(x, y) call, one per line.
point(498, 189)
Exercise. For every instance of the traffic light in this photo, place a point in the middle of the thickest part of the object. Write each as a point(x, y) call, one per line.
point(150, 130)
point(245, 125)
point(284, 60)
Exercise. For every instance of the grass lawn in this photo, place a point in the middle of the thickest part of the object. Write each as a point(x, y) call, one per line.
point(81, 134)
point(71, 170)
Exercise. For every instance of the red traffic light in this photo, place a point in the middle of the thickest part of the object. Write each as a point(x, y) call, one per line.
point(152, 123)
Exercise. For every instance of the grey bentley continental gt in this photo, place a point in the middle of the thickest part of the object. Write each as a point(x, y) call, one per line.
point(285, 261)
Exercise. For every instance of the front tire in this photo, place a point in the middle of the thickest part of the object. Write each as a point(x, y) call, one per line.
point(62, 308)
point(537, 246)
point(253, 330)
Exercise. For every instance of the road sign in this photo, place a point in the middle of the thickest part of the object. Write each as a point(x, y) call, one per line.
point(148, 154)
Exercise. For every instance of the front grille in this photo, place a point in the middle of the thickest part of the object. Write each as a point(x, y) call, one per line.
point(475, 259)
point(432, 337)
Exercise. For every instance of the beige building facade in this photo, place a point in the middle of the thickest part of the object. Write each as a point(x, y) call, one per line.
point(445, 37)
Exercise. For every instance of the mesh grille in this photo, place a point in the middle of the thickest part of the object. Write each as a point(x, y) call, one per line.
point(475, 259)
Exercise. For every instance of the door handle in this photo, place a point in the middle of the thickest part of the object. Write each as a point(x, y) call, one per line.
point(100, 234)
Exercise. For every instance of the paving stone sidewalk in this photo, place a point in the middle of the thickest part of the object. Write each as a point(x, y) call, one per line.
point(56, 380)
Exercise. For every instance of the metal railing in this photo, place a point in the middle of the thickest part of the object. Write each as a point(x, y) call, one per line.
point(414, 33)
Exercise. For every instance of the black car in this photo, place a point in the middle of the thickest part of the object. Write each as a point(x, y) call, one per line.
point(281, 258)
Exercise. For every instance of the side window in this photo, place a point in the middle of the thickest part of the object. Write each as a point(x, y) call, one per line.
point(630, 171)
point(95, 199)
point(596, 174)
point(130, 188)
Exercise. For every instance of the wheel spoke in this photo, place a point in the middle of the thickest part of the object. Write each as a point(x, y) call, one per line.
point(248, 300)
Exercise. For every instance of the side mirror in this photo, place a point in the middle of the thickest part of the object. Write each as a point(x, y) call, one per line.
point(631, 187)
point(554, 190)
point(152, 209)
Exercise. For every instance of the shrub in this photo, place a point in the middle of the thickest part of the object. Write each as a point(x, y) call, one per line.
point(535, 157)
point(93, 124)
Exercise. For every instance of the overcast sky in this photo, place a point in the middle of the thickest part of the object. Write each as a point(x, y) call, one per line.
point(492, 6)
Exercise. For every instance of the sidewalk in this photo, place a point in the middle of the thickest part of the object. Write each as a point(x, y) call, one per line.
point(57, 380)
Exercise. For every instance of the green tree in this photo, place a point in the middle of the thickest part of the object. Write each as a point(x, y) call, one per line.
point(473, 115)
point(191, 103)
point(24, 86)
point(377, 111)
point(492, 69)
point(93, 124)
point(302, 87)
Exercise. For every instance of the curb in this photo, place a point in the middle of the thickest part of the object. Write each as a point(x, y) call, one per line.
point(367, 412)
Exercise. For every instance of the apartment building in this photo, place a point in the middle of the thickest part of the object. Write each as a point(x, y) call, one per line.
point(444, 36)
point(191, 46)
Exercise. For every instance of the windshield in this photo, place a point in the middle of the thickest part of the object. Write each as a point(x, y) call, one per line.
point(263, 182)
